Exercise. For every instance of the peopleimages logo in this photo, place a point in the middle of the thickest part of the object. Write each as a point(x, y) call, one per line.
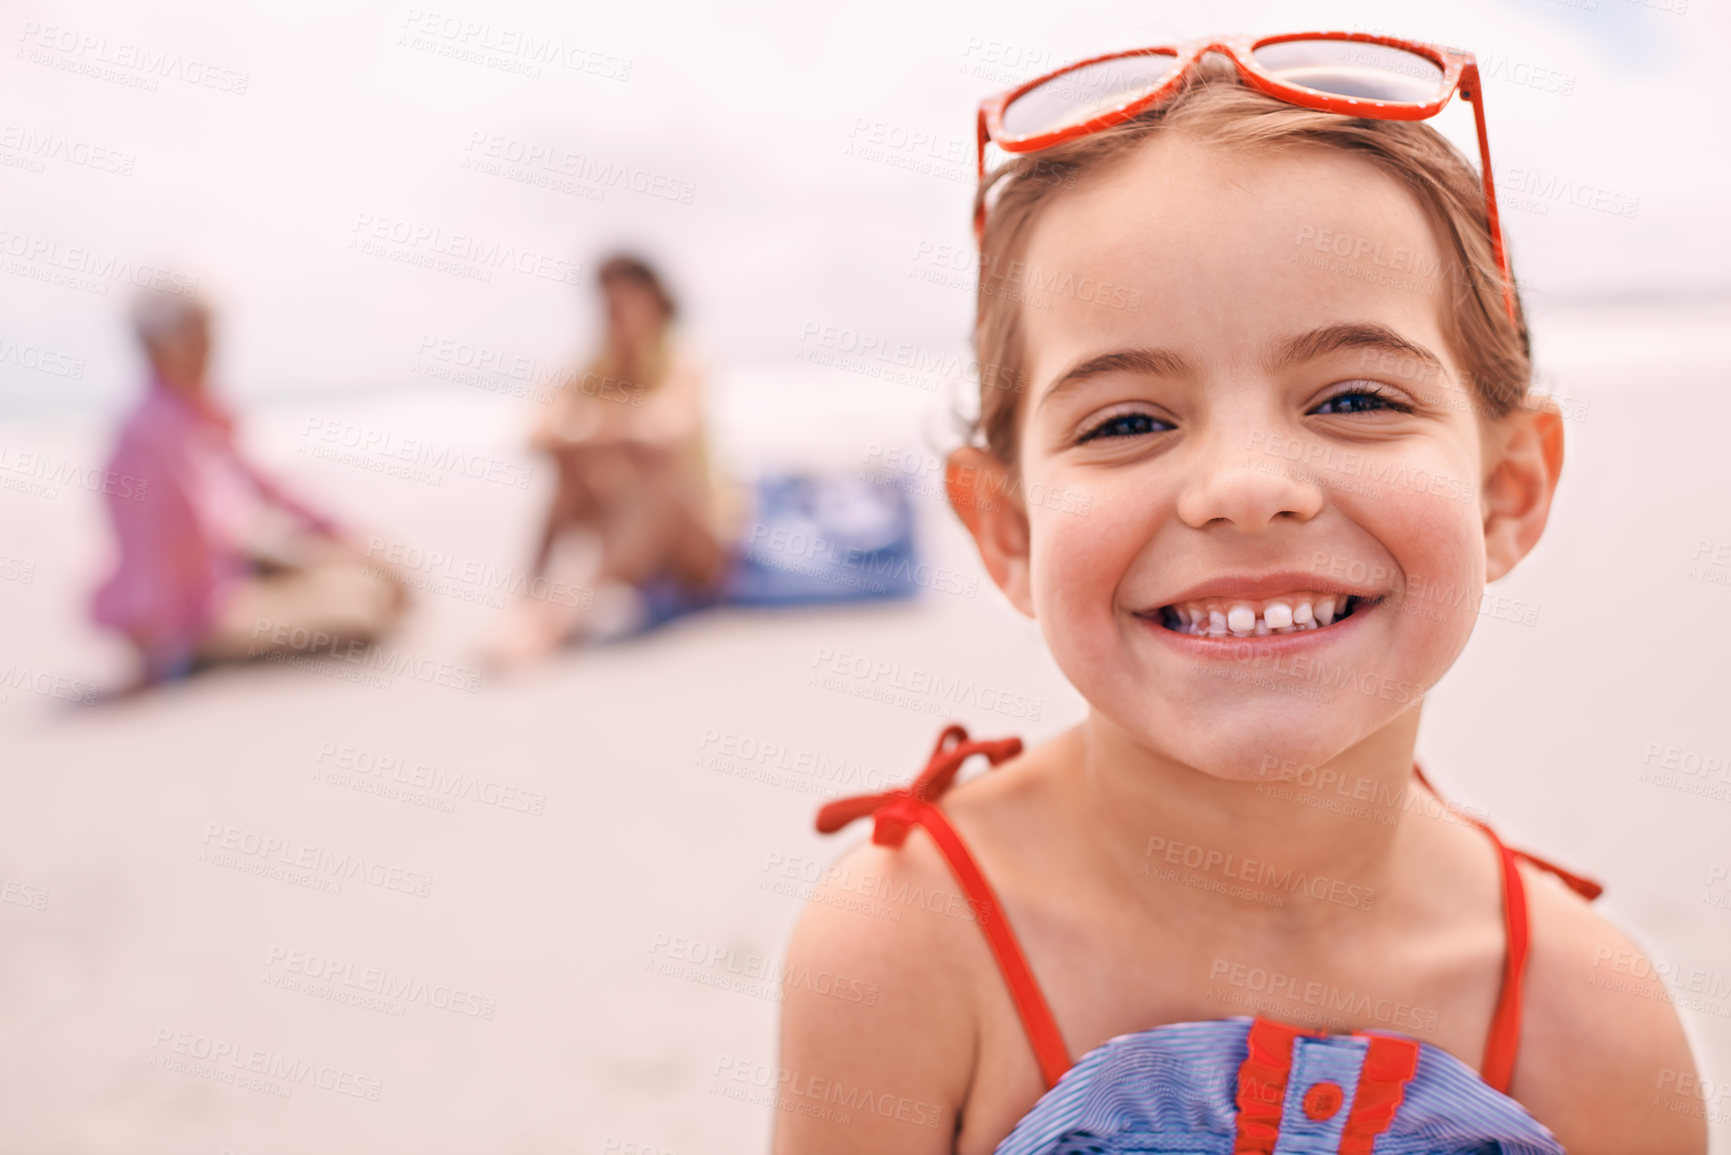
point(506, 48)
point(927, 691)
point(321, 435)
point(23, 894)
point(89, 269)
point(307, 648)
point(465, 253)
point(224, 842)
point(17, 676)
point(1542, 187)
point(808, 771)
point(883, 357)
point(41, 359)
point(221, 1060)
point(1281, 991)
point(1039, 283)
point(40, 147)
point(501, 154)
point(375, 767)
point(137, 65)
point(748, 973)
point(801, 1093)
point(42, 467)
point(472, 579)
point(343, 976)
point(1256, 872)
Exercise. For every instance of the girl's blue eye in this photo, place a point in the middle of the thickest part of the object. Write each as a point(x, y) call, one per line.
point(1125, 425)
point(1359, 401)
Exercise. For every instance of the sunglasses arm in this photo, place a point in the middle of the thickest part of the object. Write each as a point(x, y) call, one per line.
point(980, 136)
point(1472, 92)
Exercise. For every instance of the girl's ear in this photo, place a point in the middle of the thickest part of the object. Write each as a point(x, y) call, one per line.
point(1520, 484)
point(985, 497)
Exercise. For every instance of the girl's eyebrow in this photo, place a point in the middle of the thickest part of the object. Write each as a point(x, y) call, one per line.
point(1370, 335)
point(1150, 362)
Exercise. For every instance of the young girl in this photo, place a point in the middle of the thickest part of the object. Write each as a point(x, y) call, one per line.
point(1276, 349)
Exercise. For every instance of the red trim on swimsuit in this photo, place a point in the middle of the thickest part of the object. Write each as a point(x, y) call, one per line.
point(897, 811)
point(1262, 1085)
point(1389, 1065)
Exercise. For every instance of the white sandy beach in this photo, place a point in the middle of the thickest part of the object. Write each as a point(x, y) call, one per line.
point(610, 847)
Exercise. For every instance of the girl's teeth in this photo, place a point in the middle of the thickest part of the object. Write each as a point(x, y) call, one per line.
point(1243, 619)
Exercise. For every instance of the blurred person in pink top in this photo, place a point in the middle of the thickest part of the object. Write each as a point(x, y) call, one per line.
point(217, 561)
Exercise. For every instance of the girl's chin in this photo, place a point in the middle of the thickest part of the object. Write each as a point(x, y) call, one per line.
point(1249, 740)
point(1258, 761)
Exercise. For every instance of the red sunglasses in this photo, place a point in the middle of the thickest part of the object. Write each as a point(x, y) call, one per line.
point(1351, 73)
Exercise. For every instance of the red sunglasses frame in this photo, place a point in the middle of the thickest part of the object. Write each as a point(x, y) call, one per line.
point(1460, 74)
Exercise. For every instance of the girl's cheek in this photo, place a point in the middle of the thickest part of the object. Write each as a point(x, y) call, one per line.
point(1442, 577)
point(1060, 567)
point(1078, 552)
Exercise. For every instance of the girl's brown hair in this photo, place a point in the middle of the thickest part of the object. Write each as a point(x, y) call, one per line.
point(1214, 105)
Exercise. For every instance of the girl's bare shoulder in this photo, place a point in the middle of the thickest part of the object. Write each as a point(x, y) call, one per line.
point(894, 922)
point(1603, 1060)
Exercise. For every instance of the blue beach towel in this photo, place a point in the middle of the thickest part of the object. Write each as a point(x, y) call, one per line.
point(810, 539)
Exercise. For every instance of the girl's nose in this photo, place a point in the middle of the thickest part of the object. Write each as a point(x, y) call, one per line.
point(1231, 482)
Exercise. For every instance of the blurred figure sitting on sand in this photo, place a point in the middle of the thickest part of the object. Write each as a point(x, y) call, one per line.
point(216, 561)
point(638, 505)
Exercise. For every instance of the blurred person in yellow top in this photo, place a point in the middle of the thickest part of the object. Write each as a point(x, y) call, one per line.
point(636, 482)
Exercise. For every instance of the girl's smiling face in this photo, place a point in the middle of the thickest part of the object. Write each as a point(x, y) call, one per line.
point(1272, 433)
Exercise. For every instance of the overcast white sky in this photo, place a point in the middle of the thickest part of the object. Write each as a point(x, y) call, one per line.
point(255, 149)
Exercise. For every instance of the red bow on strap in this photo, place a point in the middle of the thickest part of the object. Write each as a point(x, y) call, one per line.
point(898, 809)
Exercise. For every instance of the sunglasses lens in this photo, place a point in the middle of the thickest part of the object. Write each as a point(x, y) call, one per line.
point(1081, 94)
point(1354, 68)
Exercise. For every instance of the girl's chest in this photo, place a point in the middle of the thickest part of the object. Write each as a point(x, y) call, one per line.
point(1104, 980)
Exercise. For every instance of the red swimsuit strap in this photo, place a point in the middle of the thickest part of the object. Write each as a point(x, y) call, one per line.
point(1505, 1034)
point(896, 811)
